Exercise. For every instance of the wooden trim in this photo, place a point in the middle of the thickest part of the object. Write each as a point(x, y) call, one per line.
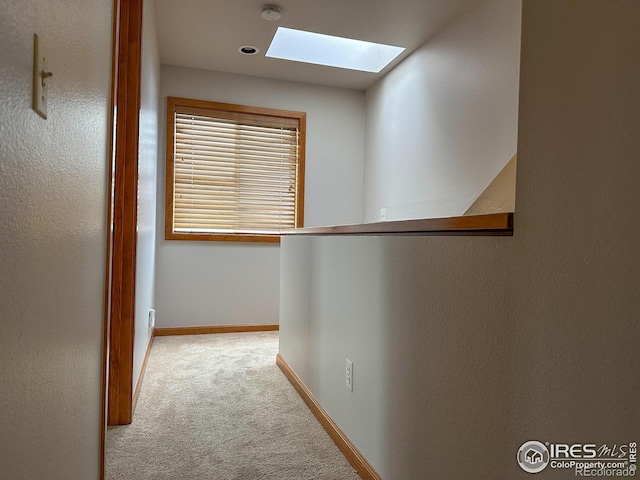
point(232, 107)
point(349, 450)
point(169, 170)
point(236, 237)
point(164, 332)
point(495, 224)
point(125, 208)
point(143, 369)
point(174, 103)
point(302, 145)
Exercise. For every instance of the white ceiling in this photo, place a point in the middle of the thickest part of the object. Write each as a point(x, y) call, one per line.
point(206, 34)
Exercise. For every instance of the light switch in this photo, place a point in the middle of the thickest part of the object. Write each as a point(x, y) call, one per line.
point(40, 77)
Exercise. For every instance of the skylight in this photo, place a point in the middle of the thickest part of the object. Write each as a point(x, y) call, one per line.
point(320, 49)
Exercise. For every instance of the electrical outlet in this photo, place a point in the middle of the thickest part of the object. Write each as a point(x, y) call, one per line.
point(383, 214)
point(152, 318)
point(349, 375)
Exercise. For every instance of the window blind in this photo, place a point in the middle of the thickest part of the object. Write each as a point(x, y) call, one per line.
point(234, 172)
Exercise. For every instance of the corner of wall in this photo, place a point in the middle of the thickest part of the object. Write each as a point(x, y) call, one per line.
point(442, 123)
point(500, 194)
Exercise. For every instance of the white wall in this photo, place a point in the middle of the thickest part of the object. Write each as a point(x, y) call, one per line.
point(147, 178)
point(443, 123)
point(53, 227)
point(464, 348)
point(207, 283)
point(429, 335)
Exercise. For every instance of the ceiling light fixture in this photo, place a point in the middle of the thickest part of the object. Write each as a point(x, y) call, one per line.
point(271, 13)
point(320, 49)
point(248, 50)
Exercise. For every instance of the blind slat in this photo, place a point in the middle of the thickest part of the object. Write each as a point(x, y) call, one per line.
point(244, 169)
point(280, 146)
point(228, 131)
point(204, 208)
point(229, 182)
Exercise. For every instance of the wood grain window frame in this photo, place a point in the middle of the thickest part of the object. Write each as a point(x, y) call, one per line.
point(172, 103)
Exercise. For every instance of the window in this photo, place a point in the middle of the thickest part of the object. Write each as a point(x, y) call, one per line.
point(233, 172)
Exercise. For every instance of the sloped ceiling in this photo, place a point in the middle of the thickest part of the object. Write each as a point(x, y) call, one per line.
point(206, 34)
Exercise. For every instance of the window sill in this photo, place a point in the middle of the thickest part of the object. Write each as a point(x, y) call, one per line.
point(495, 224)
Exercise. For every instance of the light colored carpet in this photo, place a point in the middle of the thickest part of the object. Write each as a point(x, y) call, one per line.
point(217, 407)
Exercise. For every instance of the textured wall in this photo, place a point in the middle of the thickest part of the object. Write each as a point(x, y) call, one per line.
point(147, 178)
point(53, 184)
point(577, 307)
point(464, 348)
point(442, 124)
point(211, 283)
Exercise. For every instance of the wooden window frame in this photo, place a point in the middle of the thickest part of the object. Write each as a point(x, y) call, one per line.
point(172, 103)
